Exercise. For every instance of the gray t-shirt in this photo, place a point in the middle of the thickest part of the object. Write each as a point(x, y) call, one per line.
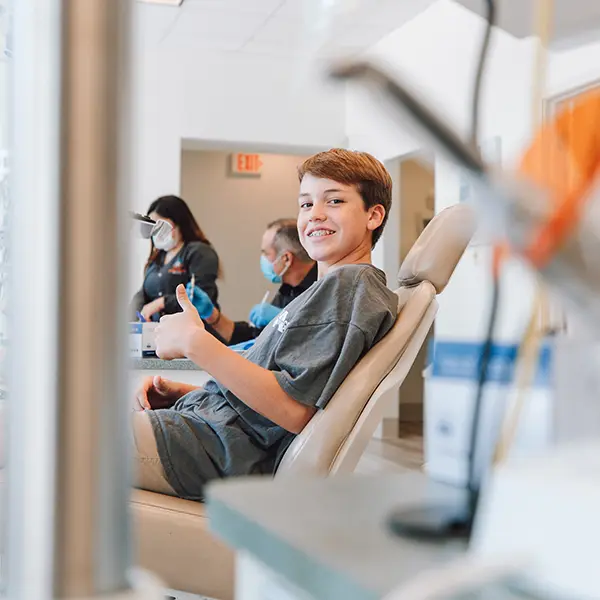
point(310, 347)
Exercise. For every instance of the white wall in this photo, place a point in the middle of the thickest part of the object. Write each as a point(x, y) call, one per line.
point(231, 98)
point(570, 69)
point(437, 54)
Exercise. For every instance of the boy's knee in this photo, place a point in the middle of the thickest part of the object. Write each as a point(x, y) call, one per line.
point(143, 435)
point(149, 472)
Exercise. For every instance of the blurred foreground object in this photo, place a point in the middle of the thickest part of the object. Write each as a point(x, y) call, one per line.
point(552, 502)
point(68, 479)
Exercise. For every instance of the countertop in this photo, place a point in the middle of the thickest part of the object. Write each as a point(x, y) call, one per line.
point(329, 536)
point(156, 364)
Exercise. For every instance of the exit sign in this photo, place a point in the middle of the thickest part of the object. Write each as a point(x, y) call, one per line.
point(246, 164)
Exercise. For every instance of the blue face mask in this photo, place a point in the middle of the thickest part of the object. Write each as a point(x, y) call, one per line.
point(268, 270)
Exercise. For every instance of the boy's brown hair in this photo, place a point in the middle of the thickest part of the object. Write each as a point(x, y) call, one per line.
point(370, 177)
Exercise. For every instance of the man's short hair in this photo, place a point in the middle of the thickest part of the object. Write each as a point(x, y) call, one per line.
point(286, 239)
point(371, 178)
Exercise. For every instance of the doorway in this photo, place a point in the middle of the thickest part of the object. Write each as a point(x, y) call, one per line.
point(417, 207)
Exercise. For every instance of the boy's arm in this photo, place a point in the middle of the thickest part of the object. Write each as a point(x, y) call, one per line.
point(253, 385)
point(183, 334)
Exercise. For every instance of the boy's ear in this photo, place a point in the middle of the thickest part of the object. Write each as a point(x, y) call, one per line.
point(376, 217)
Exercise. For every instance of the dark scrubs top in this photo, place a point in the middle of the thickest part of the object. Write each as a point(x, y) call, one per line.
point(161, 279)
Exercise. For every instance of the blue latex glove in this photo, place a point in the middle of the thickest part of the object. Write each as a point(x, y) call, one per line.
point(262, 314)
point(199, 298)
point(242, 346)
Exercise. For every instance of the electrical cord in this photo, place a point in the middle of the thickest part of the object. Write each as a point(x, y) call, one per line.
point(486, 351)
point(486, 355)
point(483, 57)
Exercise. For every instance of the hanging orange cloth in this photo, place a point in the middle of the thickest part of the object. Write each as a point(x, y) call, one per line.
point(564, 161)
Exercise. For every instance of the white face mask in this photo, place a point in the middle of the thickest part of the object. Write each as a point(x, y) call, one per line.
point(164, 242)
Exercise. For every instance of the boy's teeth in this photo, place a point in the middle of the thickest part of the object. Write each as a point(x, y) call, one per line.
point(320, 233)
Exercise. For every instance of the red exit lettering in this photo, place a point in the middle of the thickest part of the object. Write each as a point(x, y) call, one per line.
point(248, 163)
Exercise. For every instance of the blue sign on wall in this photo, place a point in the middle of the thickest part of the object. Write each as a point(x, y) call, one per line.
point(462, 360)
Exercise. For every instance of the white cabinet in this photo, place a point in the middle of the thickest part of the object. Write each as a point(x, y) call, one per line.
point(255, 581)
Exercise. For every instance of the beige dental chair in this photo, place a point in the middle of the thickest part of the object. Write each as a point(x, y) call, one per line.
point(173, 538)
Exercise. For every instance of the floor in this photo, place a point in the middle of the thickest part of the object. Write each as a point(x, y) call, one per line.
point(397, 455)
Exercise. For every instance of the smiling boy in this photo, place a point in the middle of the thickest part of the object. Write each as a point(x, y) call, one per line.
point(242, 421)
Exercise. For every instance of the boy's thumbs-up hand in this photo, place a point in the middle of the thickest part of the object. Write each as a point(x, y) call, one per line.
point(175, 332)
point(183, 299)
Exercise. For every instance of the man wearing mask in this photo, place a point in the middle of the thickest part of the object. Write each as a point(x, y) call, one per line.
point(283, 260)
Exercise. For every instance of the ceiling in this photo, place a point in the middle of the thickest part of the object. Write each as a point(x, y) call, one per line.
point(574, 21)
point(274, 27)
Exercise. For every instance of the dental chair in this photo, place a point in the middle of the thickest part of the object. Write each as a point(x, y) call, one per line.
point(173, 537)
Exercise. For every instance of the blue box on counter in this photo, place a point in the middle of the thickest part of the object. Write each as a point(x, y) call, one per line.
point(141, 339)
point(148, 345)
point(135, 340)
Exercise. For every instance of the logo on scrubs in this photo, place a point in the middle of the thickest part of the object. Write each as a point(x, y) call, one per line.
point(281, 321)
point(177, 268)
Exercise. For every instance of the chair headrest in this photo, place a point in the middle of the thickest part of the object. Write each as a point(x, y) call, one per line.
point(438, 249)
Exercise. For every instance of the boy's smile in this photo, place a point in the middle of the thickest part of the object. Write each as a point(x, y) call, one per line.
point(334, 226)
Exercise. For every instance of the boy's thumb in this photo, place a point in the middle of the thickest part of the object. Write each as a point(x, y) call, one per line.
point(159, 384)
point(183, 298)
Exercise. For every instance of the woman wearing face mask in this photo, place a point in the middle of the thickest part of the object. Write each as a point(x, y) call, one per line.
point(184, 255)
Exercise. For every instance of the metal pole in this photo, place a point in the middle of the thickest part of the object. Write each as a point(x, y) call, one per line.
point(68, 384)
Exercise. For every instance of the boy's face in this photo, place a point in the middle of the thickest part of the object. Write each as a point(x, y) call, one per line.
point(335, 227)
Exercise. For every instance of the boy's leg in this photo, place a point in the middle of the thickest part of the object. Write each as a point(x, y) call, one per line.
point(149, 473)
